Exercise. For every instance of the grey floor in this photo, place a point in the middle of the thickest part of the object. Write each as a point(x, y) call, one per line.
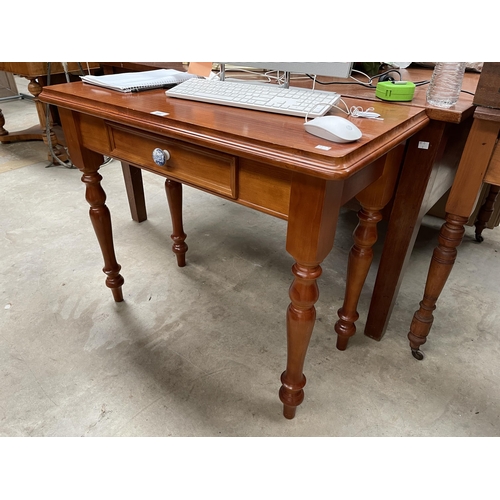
point(198, 351)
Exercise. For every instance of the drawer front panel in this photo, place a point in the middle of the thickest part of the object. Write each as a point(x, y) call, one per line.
point(203, 168)
point(264, 188)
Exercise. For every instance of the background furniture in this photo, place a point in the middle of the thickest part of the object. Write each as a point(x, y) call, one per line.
point(487, 95)
point(38, 75)
point(428, 167)
point(480, 162)
point(125, 67)
point(8, 88)
point(486, 211)
point(261, 160)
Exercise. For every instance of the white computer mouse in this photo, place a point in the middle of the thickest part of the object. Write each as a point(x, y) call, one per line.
point(333, 128)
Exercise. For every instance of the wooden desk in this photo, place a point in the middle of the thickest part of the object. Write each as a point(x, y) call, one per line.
point(480, 163)
point(263, 161)
point(427, 172)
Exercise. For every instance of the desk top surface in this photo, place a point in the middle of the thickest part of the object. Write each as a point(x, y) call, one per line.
point(275, 139)
point(463, 109)
point(456, 114)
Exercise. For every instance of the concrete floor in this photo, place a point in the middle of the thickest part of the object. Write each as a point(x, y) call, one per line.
point(198, 351)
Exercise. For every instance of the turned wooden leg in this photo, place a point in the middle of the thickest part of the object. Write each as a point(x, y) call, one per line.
point(89, 162)
point(413, 198)
point(312, 220)
point(359, 262)
point(174, 197)
point(485, 212)
point(372, 199)
point(101, 220)
point(470, 174)
point(443, 258)
point(301, 315)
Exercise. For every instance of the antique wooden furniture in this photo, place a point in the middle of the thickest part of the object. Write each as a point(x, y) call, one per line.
point(479, 163)
point(427, 165)
point(39, 73)
point(486, 211)
point(263, 161)
point(428, 168)
point(8, 88)
point(488, 95)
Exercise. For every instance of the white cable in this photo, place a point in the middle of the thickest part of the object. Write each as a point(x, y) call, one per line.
point(267, 75)
point(359, 81)
point(346, 110)
point(358, 112)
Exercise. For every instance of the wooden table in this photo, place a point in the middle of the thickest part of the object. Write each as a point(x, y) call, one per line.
point(263, 161)
point(415, 177)
point(480, 163)
point(427, 172)
point(38, 75)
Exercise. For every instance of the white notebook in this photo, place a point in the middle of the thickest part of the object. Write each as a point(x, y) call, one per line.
point(141, 80)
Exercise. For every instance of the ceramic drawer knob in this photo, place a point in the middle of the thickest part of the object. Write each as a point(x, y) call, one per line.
point(160, 156)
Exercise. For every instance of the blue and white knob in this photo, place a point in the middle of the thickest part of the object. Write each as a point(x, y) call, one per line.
point(160, 156)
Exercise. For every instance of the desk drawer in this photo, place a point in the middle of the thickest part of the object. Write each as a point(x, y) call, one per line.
point(200, 167)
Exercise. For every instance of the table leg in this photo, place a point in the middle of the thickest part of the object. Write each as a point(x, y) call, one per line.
point(300, 318)
point(410, 205)
point(443, 258)
point(173, 190)
point(101, 220)
point(373, 199)
point(310, 235)
point(89, 163)
point(485, 212)
point(358, 265)
point(135, 191)
point(463, 196)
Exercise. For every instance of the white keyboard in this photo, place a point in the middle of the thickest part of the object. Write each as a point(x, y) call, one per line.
point(262, 97)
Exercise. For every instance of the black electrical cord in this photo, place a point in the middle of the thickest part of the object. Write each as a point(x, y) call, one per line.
point(355, 82)
point(369, 84)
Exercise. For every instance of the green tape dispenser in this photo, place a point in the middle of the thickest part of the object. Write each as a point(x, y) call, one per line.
point(395, 91)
